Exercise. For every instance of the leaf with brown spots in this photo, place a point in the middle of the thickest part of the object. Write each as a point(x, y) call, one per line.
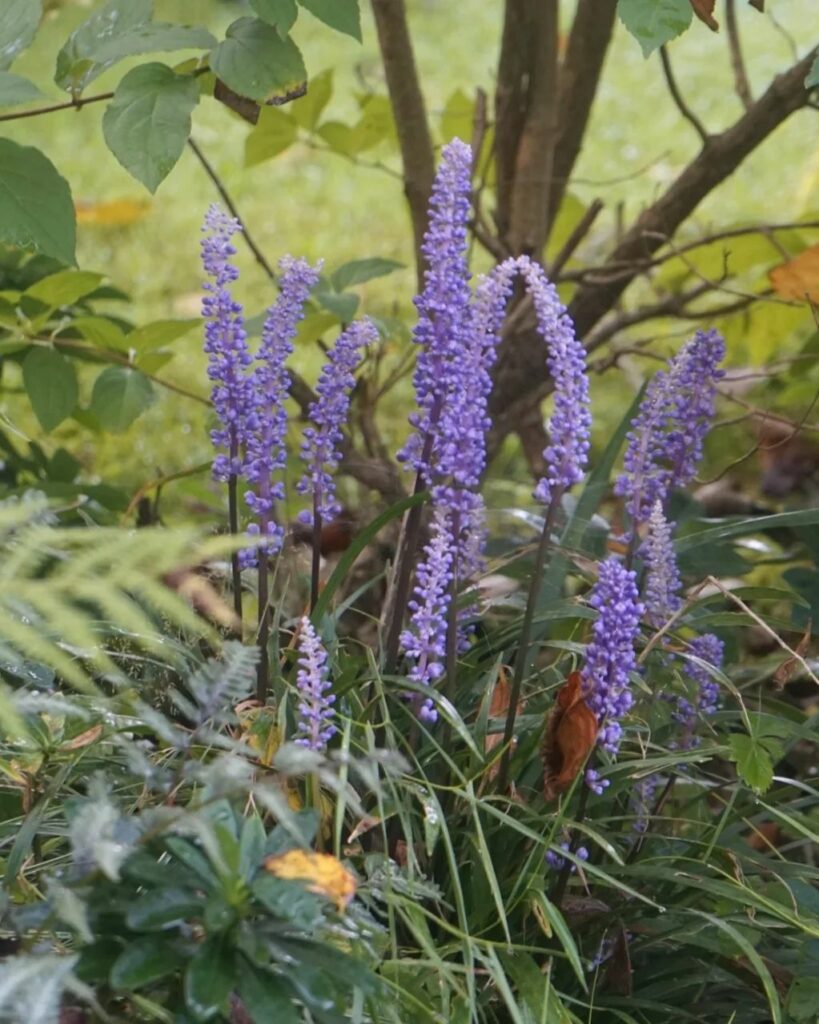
point(783, 674)
point(704, 10)
point(570, 734)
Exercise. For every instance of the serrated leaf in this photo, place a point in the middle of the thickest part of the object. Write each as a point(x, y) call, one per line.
point(655, 22)
point(209, 979)
point(36, 210)
point(342, 15)
point(256, 62)
point(280, 13)
point(120, 28)
point(18, 23)
point(359, 271)
point(275, 132)
point(144, 961)
point(752, 760)
point(307, 110)
point(14, 90)
point(64, 288)
point(50, 381)
point(148, 121)
point(120, 395)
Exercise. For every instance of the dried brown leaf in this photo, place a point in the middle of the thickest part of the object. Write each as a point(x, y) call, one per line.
point(783, 674)
point(570, 734)
point(704, 10)
point(798, 278)
point(85, 739)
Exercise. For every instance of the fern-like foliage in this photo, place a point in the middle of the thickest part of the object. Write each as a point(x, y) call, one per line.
point(66, 593)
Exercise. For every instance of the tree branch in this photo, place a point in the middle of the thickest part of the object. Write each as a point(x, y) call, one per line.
point(409, 111)
point(579, 76)
point(679, 100)
point(510, 107)
point(741, 83)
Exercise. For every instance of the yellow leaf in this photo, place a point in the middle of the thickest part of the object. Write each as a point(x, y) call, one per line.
point(114, 213)
point(324, 874)
point(799, 277)
point(259, 729)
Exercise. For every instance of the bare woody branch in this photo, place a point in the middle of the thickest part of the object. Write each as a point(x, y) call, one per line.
point(741, 83)
point(410, 113)
point(679, 99)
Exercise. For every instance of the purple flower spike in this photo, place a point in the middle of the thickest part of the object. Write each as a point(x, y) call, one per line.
point(315, 725)
point(424, 643)
point(610, 656)
point(666, 437)
point(710, 649)
point(320, 448)
point(662, 591)
point(570, 424)
point(443, 330)
point(266, 454)
point(225, 344)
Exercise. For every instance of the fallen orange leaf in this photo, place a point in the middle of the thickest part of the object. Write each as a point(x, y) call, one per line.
point(324, 874)
point(799, 277)
point(571, 732)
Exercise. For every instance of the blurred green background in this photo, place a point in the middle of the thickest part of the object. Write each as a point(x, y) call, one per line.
point(320, 205)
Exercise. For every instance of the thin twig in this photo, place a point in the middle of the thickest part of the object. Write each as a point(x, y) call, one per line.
point(678, 98)
point(581, 229)
point(76, 104)
point(741, 83)
point(208, 168)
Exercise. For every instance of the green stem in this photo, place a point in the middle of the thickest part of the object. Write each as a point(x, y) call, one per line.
point(233, 525)
point(263, 676)
point(402, 578)
point(523, 657)
point(315, 569)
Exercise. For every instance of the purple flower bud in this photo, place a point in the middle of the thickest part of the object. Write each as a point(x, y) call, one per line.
point(321, 447)
point(225, 344)
point(554, 860)
point(266, 455)
point(610, 658)
point(666, 437)
point(443, 330)
point(568, 450)
point(662, 587)
point(315, 721)
point(424, 643)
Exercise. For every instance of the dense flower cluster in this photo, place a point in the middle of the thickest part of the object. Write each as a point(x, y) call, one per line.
point(444, 325)
point(265, 453)
point(610, 656)
point(226, 345)
point(315, 711)
point(662, 583)
point(709, 649)
point(666, 438)
point(424, 642)
point(320, 447)
point(568, 450)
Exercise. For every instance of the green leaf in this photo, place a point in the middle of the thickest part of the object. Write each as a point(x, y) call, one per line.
point(655, 22)
point(18, 23)
point(288, 900)
point(265, 995)
point(275, 132)
point(803, 1000)
point(158, 908)
point(256, 62)
point(50, 381)
point(342, 306)
point(160, 333)
point(14, 90)
point(101, 331)
point(36, 209)
point(813, 75)
point(456, 119)
point(64, 288)
point(148, 121)
point(120, 28)
point(752, 760)
point(308, 109)
point(251, 846)
point(342, 15)
point(144, 961)
point(209, 979)
point(280, 13)
point(561, 929)
point(359, 271)
point(120, 395)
